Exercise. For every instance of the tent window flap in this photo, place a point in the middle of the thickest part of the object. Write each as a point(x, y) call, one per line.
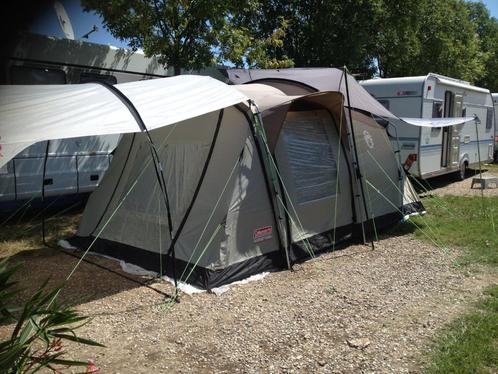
point(312, 158)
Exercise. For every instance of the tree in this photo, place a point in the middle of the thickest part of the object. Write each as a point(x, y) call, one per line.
point(186, 34)
point(321, 33)
point(487, 30)
point(396, 43)
point(422, 36)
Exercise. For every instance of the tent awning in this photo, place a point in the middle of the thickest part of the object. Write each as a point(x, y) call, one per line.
point(437, 122)
point(30, 114)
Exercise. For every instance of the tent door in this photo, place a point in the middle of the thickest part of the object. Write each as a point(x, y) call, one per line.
point(314, 172)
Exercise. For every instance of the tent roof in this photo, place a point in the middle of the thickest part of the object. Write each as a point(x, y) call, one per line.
point(29, 114)
point(321, 79)
point(265, 96)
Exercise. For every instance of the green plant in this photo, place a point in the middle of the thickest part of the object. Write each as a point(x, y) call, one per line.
point(42, 327)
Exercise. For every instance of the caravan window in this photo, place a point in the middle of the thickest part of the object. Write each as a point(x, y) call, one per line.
point(489, 118)
point(94, 77)
point(32, 75)
point(437, 110)
point(449, 103)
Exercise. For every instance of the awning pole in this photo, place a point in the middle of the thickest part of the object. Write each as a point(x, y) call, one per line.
point(477, 121)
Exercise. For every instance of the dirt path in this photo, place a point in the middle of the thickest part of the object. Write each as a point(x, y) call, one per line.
point(395, 297)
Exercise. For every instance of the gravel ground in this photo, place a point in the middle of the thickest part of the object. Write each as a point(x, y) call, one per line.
point(446, 185)
point(352, 311)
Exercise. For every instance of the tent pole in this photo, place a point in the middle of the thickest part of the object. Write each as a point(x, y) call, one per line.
point(259, 135)
point(199, 183)
point(157, 168)
point(356, 161)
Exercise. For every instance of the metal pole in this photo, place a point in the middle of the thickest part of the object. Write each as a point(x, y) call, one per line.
point(357, 164)
point(477, 121)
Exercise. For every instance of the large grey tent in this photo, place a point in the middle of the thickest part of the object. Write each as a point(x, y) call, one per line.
point(242, 203)
point(211, 191)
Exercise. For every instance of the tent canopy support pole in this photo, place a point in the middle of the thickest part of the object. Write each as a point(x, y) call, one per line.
point(356, 160)
point(157, 167)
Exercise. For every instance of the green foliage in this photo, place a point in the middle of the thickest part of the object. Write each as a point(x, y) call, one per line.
point(469, 344)
point(322, 33)
point(487, 31)
point(186, 34)
point(41, 328)
point(385, 37)
point(464, 222)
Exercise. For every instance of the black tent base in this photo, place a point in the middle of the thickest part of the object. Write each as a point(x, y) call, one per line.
point(273, 261)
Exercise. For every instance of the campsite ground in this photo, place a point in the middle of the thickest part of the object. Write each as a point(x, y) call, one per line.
point(355, 310)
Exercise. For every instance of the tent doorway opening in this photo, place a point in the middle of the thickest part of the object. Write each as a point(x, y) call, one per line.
point(310, 157)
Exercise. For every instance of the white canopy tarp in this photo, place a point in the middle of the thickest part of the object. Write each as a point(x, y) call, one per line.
point(437, 122)
point(30, 114)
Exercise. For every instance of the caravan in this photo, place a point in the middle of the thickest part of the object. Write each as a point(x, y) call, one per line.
point(428, 151)
point(73, 166)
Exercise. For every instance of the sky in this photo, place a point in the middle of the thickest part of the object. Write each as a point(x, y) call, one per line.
point(82, 22)
point(492, 6)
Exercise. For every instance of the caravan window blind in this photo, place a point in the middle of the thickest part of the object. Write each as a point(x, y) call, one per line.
point(311, 155)
point(489, 118)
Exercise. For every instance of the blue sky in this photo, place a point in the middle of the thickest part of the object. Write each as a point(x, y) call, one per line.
point(83, 22)
point(492, 5)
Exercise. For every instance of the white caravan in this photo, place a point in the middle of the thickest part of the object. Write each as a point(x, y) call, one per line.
point(430, 151)
point(72, 165)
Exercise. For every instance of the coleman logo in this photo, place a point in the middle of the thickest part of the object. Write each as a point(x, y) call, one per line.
point(368, 139)
point(262, 234)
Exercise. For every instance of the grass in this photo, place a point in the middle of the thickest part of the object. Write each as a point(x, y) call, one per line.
point(491, 167)
point(470, 344)
point(467, 222)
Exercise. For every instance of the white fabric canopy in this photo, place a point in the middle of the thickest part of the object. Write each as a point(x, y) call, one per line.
point(437, 122)
point(29, 114)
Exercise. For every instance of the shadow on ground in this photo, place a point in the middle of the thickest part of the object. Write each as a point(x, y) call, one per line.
point(21, 242)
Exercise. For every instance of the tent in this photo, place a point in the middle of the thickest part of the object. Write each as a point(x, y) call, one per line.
point(241, 201)
point(206, 187)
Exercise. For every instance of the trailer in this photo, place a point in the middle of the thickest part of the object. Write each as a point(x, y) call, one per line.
point(70, 166)
point(431, 151)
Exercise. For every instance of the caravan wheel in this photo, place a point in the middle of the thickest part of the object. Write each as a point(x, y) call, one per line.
point(463, 170)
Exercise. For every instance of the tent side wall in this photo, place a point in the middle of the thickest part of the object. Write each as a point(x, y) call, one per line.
point(381, 175)
point(230, 232)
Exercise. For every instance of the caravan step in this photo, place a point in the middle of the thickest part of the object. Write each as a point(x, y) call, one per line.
point(485, 182)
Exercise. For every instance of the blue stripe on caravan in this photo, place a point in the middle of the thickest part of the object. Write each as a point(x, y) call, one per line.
point(405, 138)
point(461, 144)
